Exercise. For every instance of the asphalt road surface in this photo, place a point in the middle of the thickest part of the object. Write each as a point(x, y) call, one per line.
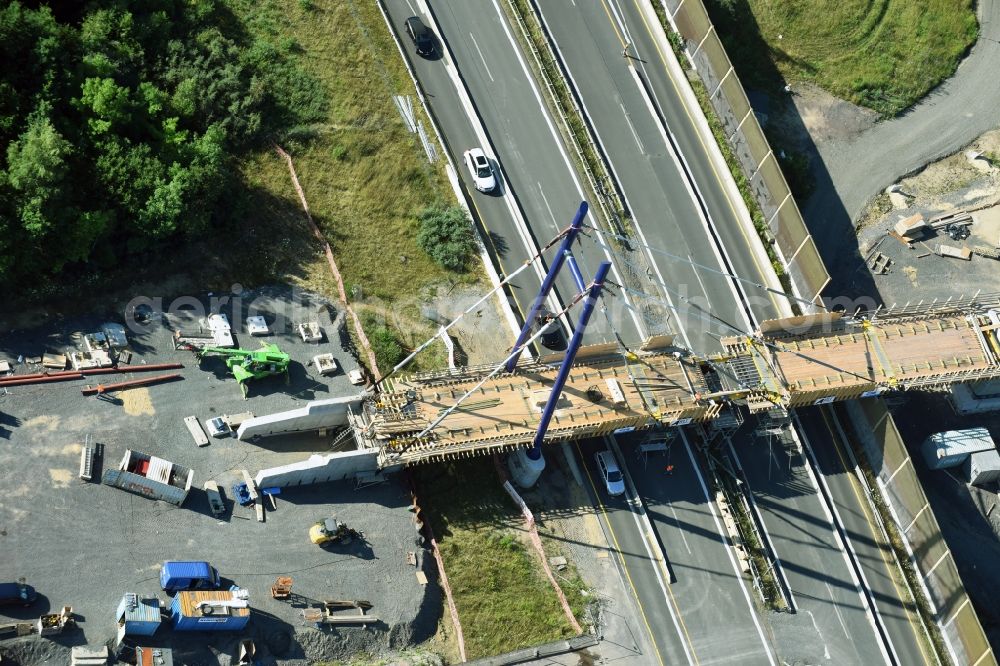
point(640, 149)
point(535, 173)
point(821, 428)
point(646, 578)
point(708, 590)
point(832, 624)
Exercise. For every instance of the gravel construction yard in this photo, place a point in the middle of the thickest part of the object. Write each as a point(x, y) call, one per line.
point(949, 185)
point(86, 544)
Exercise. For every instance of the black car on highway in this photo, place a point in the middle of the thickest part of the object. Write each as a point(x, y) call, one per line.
point(421, 35)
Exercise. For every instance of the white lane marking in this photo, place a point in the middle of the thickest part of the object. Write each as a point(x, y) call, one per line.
point(678, 523)
point(735, 287)
point(634, 134)
point(599, 238)
point(413, 12)
point(555, 224)
point(826, 648)
point(592, 221)
point(729, 551)
point(481, 57)
point(477, 127)
point(836, 608)
point(810, 462)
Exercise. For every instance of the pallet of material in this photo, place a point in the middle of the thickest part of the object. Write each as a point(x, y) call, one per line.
point(83, 655)
point(956, 252)
point(54, 361)
point(331, 613)
point(194, 427)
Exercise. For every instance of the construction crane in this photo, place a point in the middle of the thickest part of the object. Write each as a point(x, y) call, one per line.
point(246, 365)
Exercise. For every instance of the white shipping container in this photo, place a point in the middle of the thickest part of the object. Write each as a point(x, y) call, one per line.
point(949, 449)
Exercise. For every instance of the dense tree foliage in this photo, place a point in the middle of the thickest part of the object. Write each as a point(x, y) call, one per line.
point(119, 121)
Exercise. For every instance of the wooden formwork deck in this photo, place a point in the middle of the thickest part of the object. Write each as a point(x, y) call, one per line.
point(506, 410)
point(856, 357)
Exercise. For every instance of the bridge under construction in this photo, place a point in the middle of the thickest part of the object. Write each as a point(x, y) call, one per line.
point(786, 363)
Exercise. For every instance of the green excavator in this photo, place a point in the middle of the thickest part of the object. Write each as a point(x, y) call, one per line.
point(246, 365)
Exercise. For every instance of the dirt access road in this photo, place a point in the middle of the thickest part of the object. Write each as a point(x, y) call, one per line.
point(851, 170)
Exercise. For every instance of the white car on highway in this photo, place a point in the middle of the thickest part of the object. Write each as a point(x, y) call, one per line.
point(611, 474)
point(480, 170)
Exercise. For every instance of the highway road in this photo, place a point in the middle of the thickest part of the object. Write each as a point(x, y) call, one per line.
point(538, 181)
point(645, 577)
point(651, 58)
point(539, 189)
point(822, 432)
point(590, 39)
point(833, 622)
point(649, 139)
point(708, 589)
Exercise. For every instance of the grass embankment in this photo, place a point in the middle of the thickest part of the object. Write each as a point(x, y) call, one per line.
point(883, 54)
point(366, 178)
point(504, 600)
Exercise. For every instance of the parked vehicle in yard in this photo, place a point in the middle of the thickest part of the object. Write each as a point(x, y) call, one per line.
point(480, 169)
point(19, 594)
point(333, 532)
point(188, 575)
point(217, 427)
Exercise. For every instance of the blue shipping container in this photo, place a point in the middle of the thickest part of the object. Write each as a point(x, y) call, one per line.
point(188, 575)
point(137, 616)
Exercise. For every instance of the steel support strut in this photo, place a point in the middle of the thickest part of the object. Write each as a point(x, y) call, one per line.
point(550, 278)
point(574, 345)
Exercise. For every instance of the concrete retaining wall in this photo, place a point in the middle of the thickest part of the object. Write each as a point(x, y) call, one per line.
point(316, 415)
point(318, 469)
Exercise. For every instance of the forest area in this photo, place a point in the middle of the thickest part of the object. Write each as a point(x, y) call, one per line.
point(122, 124)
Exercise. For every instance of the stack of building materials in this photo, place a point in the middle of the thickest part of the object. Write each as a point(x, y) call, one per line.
point(83, 655)
point(95, 342)
point(115, 335)
point(950, 449)
point(325, 364)
point(955, 252)
point(87, 360)
point(54, 623)
point(137, 616)
point(210, 610)
point(257, 325)
point(912, 227)
point(214, 331)
point(983, 467)
point(222, 332)
point(54, 361)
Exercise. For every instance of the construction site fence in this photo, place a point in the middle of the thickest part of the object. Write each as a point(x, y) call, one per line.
point(792, 241)
point(897, 480)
